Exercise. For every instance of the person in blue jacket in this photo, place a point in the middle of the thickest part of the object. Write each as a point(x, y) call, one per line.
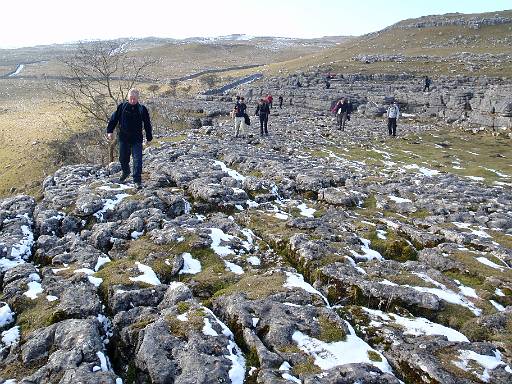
point(131, 117)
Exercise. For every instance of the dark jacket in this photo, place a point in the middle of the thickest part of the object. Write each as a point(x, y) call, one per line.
point(240, 109)
point(130, 119)
point(262, 110)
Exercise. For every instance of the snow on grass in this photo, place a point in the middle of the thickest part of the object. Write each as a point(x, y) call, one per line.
point(232, 267)
point(190, 265)
point(231, 172)
point(136, 234)
point(499, 292)
point(368, 254)
point(424, 171)
point(489, 263)
point(418, 326)
point(486, 362)
point(6, 315)
point(254, 260)
point(498, 306)
point(286, 367)
point(445, 294)
point(109, 204)
point(476, 178)
point(34, 289)
point(329, 355)
point(496, 172)
point(148, 275)
point(399, 200)
point(183, 317)
point(101, 261)
point(96, 281)
point(10, 337)
point(51, 298)
point(294, 280)
point(305, 211)
point(381, 234)
point(218, 236)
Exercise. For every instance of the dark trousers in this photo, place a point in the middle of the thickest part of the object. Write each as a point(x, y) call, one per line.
point(426, 88)
point(135, 150)
point(263, 125)
point(281, 103)
point(392, 125)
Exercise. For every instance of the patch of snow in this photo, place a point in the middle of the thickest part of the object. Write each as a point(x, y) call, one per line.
point(183, 317)
point(485, 361)
point(34, 289)
point(499, 292)
point(232, 267)
point(255, 321)
point(96, 281)
point(6, 315)
point(498, 306)
point(489, 263)
point(208, 329)
point(368, 253)
point(231, 172)
point(329, 355)
point(253, 260)
point(399, 200)
point(10, 337)
point(148, 275)
point(109, 204)
point(305, 211)
point(381, 234)
point(136, 234)
point(51, 298)
point(475, 178)
point(419, 326)
point(103, 361)
point(190, 265)
point(294, 280)
point(101, 261)
point(237, 371)
point(217, 236)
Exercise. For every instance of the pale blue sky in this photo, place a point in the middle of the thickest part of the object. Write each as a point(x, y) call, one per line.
point(32, 22)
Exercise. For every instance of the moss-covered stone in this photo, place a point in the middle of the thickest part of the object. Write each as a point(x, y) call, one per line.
point(330, 331)
point(307, 367)
point(374, 356)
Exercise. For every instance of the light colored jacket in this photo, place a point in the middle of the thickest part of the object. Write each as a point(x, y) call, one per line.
point(393, 112)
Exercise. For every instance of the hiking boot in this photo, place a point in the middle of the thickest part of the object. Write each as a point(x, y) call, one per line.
point(123, 178)
point(138, 185)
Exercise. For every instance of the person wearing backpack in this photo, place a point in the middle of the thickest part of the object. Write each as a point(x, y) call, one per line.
point(393, 113)
point(263, 110)
point(239, 114)
point(131, 117)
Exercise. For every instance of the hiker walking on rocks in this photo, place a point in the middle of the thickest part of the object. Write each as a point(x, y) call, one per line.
point(239, 115)
point(131, 116)
point(342, 110)
point(393, 113)
point(263, 110)
point(280, 102)
point(269, 100)
point(426, 87)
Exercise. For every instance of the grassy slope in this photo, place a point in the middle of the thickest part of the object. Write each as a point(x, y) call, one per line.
point(441, 42)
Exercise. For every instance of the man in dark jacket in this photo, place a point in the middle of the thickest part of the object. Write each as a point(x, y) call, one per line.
point(131, 116)
point(262, 110)
point(342, 110)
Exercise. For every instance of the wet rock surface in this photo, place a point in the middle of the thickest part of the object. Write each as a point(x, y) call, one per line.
point(312, 255)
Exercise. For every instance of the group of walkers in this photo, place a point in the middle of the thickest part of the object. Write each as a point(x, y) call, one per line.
point(242, 119)
point(133, 118)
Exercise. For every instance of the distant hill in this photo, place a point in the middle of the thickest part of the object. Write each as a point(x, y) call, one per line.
point(451, 44)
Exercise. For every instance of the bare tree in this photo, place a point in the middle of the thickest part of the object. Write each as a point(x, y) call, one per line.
point(98, 77)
